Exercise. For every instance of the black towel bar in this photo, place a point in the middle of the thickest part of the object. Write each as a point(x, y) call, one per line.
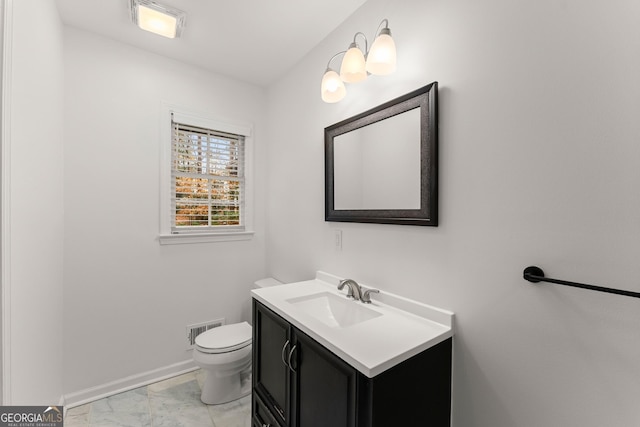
point(535, 274)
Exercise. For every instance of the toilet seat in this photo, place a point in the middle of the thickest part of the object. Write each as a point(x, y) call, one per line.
point(224, 339)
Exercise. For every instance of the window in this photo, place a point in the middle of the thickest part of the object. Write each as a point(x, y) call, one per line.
point(205, 198)
point(207, 176)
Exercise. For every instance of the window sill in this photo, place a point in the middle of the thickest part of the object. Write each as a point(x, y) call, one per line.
point(178, 239)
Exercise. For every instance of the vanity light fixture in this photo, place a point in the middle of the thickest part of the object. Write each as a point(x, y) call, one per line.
point(159, 19)
point(358, 64)
point(353, 68)
point(332, 88)
point(381, 60)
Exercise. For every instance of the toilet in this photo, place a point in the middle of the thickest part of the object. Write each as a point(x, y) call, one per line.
point(224, 353)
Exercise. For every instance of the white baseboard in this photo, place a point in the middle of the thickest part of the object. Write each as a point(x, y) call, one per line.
point(88, 395)
point(61, 403)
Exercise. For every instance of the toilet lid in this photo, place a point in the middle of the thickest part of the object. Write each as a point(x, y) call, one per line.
point(224, 338)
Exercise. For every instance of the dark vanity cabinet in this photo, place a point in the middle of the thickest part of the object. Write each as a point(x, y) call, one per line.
point(297, 382)
point(271, 374)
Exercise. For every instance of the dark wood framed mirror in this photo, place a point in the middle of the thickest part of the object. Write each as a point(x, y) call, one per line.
point(381, 166)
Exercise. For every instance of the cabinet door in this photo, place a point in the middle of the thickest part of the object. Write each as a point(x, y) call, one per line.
point(262, 416)
point(271, 343)
point(324, 386)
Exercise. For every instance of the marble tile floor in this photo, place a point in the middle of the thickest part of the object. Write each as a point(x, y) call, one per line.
point(170, 403)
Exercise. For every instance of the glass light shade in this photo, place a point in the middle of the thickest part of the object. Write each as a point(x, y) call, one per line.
point(352, 69)
point(156, 18)
point(156, 22)
point(332, 88)
point(382, 56)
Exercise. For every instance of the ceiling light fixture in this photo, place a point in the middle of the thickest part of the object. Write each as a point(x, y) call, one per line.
point(159, 19)
point(358, 64)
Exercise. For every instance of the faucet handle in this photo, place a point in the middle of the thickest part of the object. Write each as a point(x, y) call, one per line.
point(366, 296)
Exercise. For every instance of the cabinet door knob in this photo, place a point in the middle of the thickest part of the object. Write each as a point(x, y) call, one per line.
point(289, 359)
point(284, 348)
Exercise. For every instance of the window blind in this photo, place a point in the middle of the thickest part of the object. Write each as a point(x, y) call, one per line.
point(207, 177)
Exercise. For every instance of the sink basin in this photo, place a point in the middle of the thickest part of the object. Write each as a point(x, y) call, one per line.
point(334, 310)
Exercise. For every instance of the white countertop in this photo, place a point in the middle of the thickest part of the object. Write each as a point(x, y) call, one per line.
point(404, 329)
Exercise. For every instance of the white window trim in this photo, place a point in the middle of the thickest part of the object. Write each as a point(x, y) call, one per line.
point(209, 121)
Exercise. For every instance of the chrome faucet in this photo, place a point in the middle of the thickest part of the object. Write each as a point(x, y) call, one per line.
point(354, 289)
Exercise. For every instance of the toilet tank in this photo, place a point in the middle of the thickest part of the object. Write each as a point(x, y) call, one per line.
point(265, 283)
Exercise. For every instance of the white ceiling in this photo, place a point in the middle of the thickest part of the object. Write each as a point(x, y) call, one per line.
point(252, 40)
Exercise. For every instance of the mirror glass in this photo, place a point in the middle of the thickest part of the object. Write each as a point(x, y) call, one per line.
point(381, 165)
point(378, 166)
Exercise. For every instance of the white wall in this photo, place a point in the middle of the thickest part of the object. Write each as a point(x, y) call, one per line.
point(3, 209)
point(33, 237)
point(128, 299)
point(539, 164)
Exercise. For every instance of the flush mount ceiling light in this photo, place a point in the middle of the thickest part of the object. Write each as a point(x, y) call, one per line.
point(159, 19)
point(358, 64)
